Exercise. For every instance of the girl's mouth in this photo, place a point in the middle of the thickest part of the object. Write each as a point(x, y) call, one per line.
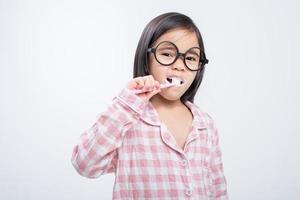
point(175, 80)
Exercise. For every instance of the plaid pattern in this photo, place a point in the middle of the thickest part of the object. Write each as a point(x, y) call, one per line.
point(130, 140)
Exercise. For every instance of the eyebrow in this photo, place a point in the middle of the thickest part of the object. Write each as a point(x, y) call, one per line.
point(168, 47)
point(195, 53)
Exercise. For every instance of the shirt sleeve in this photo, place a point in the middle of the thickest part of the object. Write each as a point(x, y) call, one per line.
point(96, 151)
point(219, 180)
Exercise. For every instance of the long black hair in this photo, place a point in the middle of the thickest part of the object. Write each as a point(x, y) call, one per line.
point(154, 29)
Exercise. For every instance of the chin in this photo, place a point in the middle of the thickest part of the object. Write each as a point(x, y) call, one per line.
point(170, 97)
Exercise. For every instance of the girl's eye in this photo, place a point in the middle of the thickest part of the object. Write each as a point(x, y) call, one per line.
point(191, 58)
point(167, 54)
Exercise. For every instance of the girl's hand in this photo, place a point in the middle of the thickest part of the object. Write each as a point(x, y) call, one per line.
point(147, 84)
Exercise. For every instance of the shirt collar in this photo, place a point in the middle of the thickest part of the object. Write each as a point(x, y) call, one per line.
point(151, 116)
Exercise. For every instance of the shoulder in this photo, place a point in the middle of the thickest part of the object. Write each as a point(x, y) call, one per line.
point(200, 115)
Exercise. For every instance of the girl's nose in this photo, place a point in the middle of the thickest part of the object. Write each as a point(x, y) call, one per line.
point(179, 64)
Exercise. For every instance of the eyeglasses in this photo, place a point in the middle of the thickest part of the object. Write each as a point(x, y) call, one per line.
point(166, 53)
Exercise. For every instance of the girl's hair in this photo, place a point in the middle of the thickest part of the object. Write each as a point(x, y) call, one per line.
point(154, 29)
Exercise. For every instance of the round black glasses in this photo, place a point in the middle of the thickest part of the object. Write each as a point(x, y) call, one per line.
point(166, 53)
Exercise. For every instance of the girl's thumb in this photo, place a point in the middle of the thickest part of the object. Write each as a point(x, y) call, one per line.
point(152, 93)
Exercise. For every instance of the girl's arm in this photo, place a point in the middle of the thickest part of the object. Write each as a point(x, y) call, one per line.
point(219, 180)
point(96, 152)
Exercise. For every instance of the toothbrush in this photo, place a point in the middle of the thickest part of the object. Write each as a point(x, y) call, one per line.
point(165, 85)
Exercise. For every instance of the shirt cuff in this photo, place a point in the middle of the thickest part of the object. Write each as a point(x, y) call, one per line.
point(130, 99)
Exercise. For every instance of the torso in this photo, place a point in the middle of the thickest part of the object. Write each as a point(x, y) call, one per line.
point(178, 123)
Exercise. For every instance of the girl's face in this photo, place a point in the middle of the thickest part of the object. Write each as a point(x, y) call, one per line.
point(184, 40)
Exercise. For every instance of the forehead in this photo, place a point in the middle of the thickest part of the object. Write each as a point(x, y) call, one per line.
point(182, 38)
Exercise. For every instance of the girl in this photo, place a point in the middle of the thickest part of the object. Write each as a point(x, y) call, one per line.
point(158, 143)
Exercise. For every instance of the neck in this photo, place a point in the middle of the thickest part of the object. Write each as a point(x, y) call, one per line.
point(161, 103)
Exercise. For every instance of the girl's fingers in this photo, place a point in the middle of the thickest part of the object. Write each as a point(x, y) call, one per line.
point(136, 83)
point(148, 84)
point(153, 87)
point(157, 85)
point(148, 95)
point(140, 83)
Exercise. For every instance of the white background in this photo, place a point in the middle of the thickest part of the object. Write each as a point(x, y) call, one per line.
point(61, 63)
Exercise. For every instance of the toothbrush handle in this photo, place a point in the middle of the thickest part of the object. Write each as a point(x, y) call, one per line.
point(138, 91)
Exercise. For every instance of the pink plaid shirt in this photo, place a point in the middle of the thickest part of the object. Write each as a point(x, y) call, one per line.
point(130, 140)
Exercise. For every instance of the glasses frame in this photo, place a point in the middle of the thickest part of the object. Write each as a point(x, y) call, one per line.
point(202, 60)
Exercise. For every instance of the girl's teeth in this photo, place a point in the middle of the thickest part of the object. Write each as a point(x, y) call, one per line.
point(175, 80)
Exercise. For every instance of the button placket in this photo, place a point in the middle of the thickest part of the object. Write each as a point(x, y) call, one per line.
point(188, 184)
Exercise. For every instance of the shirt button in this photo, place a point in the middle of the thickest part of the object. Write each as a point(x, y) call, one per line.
point(188, 192)
point(184, 162)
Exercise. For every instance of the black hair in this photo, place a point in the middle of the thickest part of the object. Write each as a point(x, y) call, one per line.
point(154, 29)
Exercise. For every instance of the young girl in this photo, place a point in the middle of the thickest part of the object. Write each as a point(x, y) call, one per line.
point(158, 143)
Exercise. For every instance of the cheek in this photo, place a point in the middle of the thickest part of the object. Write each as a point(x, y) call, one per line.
point(191, 77)
point(156, 70)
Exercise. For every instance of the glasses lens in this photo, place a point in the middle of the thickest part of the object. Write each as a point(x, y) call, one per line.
point(192, 58)
point(166, 53)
